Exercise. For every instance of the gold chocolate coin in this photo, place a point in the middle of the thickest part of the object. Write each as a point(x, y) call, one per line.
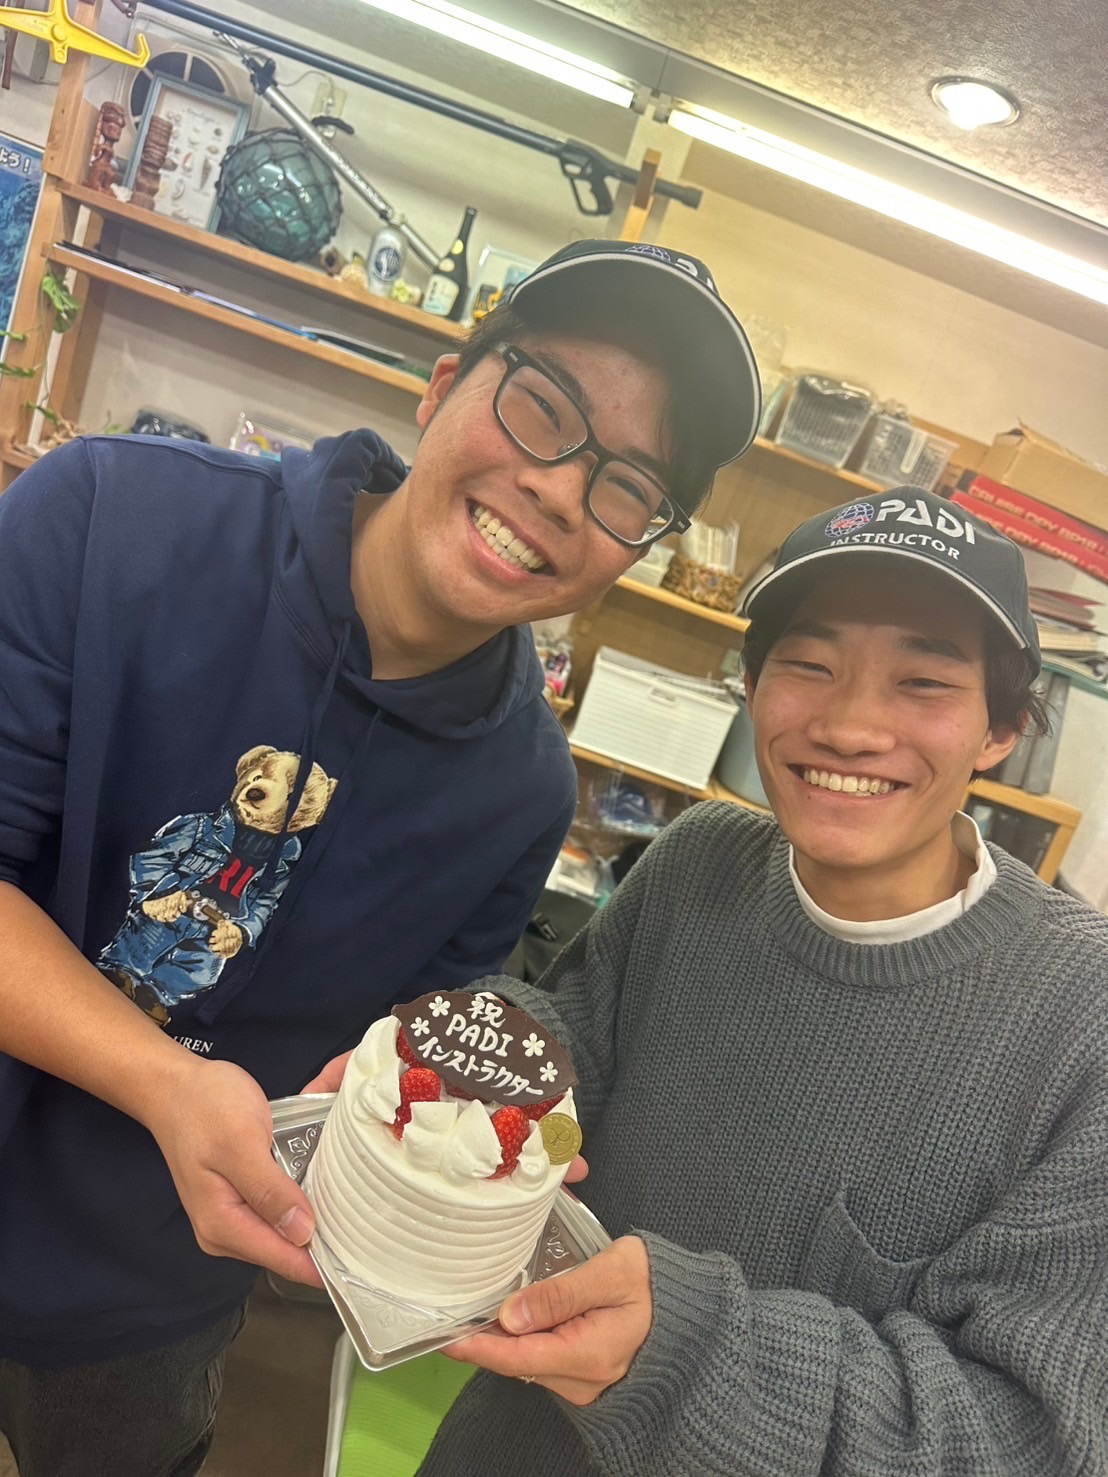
point(561, 1137)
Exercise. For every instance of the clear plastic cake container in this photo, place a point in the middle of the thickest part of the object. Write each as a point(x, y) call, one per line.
point(383, 1328)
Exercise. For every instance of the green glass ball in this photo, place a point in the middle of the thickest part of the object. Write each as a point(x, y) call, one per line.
point(277, 194)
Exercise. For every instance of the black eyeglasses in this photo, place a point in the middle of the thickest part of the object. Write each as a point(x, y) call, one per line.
point(546, 423)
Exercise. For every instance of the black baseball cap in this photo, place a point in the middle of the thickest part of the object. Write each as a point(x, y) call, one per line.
point(696, 329)
point(908, 523)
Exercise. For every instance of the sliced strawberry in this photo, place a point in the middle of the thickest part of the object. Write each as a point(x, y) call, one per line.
point(404, 1050)
point(417, 1085)
point(512, 1126)
point(535, 1111)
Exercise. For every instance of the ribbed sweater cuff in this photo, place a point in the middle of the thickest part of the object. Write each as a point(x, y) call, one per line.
point(629, 1428)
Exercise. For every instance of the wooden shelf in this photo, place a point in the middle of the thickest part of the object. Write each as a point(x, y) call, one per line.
point(853, 478)
point(242, 322)
point(10, 457)
point(1046, 807)
point(713, 790)
point(736, 623)
point(401, 314)
point(588, 756)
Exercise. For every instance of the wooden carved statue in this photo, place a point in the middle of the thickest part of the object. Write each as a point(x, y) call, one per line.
point(148, 175)
point(102, 168)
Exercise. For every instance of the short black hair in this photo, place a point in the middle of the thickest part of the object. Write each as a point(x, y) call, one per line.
point(608, 319)
point(1012, 699)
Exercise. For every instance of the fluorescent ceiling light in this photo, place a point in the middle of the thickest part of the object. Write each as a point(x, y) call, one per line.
point(970, 104)
point(900, 204)
point(512, 46)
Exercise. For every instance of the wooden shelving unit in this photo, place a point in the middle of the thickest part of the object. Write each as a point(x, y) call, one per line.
point(17, 460)
point(1058, 813)
point(735, 623)
point(852, 479)
point(183, 302)
point(713, 790)
point(265, 265)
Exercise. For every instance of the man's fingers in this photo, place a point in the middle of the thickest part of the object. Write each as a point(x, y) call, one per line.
point(330, 1079)
point(279, 1201)
point(248, 1239)
point(547, 1304)
point(577, 1171)
point(602, 1282)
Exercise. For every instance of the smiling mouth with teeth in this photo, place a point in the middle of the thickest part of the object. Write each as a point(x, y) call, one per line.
point(505, 542)
point(846, 784)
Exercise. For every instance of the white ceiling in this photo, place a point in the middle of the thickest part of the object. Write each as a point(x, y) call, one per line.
point(873, 61)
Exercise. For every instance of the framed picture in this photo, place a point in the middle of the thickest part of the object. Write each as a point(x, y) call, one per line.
point(204, 126)
point(496, 271)
point(20, 181)
point(176, 52)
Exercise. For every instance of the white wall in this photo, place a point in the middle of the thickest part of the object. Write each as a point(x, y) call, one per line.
point(26, 108)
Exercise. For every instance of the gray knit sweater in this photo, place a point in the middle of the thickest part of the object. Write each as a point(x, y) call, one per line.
point(872, 1181)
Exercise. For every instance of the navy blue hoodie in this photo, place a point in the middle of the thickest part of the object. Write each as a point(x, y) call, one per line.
point(203, 785)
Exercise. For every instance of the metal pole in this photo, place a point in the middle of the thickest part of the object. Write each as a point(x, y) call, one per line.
point(584, 167)
point(280, 102)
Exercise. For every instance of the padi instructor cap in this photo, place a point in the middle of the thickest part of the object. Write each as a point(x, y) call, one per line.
point(907, 523)
point(673, 292)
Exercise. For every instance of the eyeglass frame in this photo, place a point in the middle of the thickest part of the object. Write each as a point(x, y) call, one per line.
point(516, 358)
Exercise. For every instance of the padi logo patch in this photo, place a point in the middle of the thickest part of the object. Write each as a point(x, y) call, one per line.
point(849, 520)
point(850, 526)
point(658, 252)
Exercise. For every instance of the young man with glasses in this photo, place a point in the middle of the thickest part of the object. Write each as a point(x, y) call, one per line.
point(844, 1078)
point(274, 754)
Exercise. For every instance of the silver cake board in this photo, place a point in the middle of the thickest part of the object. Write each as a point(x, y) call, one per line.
point(384, 1329)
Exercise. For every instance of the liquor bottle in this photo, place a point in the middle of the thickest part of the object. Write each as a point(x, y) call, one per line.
point(386, 260)
point(449, 285)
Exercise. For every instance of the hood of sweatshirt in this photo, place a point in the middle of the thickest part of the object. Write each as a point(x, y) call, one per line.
point(466, 699)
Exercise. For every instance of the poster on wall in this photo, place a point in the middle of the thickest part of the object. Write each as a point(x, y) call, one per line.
point(20, 180)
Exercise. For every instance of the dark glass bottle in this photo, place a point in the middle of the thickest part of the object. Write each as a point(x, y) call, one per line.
point(449, 285)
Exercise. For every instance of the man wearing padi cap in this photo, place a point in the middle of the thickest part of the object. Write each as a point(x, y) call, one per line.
point(274, 755)
point(844, 1078)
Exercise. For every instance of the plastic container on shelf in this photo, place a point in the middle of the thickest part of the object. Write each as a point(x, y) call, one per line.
point(894, 452)
point(737, 768)
point(653, 718)
point(824, 419)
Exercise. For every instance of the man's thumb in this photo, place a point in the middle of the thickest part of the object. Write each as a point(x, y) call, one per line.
point(296, 1225)
point(283, 1205)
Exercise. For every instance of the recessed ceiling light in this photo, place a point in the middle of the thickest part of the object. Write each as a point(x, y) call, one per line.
point(972, 104)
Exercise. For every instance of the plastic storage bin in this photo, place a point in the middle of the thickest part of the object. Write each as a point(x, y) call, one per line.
point(738, 769)
point(824, 419)
point(653, 718)
point(896, 452)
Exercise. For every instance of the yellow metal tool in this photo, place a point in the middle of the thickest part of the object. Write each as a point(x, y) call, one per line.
point(57, 27)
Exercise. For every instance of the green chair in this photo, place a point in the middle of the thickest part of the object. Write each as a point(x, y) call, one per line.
point(382, 1424)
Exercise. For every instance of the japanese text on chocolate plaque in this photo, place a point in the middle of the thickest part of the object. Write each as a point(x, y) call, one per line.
point(488, 1048)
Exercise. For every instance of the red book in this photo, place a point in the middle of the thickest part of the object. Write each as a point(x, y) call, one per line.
point(1051, 520)
point(1033, 536)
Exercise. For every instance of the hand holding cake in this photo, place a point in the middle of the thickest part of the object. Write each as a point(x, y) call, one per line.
point(452, 1134)
point(575, 1334)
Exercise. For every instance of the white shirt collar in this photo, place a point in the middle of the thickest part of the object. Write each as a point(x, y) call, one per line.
point(967, 838)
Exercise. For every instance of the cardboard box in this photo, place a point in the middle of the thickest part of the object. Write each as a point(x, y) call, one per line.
point(1032, 463)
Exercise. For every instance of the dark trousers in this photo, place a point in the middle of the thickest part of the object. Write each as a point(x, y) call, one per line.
point(145, 1415)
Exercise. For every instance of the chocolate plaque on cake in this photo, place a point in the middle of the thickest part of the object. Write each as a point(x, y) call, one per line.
point(485, 1047)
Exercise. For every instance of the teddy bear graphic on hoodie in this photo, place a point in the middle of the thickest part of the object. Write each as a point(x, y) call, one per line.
point(209, 883)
